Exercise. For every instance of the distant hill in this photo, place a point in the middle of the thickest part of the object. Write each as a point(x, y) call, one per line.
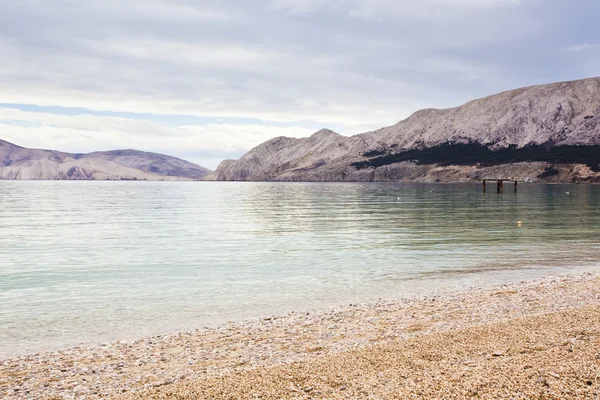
point(545, 133)
point(18, 162)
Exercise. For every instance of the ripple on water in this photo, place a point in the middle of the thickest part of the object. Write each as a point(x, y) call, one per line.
point(100, 261)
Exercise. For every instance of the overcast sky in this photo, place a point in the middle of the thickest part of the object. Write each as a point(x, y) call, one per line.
point(208, 80)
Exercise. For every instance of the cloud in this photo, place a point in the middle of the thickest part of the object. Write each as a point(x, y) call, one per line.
point(205, 144)
point(582, 47)
point(350, 65)
point(393, 9)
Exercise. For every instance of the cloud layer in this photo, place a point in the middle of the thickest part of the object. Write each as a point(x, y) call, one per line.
point(288, 66)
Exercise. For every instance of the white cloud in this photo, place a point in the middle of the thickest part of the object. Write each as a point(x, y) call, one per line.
point(305, 6)
point(350, 65)
point(392, 9)
point(204, 144)
point(582, 47)
point(228, 59)
point(209, 55)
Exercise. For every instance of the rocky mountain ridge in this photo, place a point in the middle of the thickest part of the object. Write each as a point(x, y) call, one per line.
point(525, 126)
point(18, 162)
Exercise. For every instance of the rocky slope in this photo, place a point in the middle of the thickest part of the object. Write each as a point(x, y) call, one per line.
point(540, 133)
point(21, 163)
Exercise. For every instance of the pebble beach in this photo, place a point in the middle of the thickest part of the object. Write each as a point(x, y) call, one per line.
point(538, 339)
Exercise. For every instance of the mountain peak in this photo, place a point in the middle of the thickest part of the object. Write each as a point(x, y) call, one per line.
point(4, 143)
point(21, 163)
point(553, 115)
point(324, 133)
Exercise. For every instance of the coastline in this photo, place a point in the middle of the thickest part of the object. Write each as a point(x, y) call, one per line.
point(186, 362)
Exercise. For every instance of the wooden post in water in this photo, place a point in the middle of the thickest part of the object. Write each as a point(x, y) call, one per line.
point(500, 183)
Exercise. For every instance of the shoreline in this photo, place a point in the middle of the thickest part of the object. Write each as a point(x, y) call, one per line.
point(158, 363)
point(439, 290)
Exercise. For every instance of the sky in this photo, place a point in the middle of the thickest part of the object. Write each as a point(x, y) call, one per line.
point(209, 80)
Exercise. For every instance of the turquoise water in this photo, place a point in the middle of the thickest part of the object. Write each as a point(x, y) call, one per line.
point(86, 262)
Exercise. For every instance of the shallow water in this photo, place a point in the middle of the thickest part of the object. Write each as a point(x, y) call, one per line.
point(84, 262)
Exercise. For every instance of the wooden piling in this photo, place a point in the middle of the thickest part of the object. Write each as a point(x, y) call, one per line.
point(500, 184)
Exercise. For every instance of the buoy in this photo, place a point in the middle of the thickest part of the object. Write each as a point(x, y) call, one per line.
point(520, 223)
point(568, 193)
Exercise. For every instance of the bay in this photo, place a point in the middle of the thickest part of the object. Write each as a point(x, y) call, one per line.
point(87, 262)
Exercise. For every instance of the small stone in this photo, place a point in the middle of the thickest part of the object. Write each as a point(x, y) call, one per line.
point(498, 354)
point(554, 375)
point(308, 389)
point(165, 383)
point(543, 381)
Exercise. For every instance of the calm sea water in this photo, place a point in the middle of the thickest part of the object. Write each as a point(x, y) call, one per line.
point(84, 262)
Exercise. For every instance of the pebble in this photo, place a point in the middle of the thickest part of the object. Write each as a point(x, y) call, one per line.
point(98, 372)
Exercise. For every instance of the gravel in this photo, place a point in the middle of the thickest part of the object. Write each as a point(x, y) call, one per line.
point(542, 336)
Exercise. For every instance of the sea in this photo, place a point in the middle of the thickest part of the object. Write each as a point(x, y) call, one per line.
point(86, 262)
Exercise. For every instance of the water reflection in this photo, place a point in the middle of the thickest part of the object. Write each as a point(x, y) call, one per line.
point(106, 260)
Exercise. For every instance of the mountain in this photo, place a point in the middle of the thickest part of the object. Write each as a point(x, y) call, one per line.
point(545, 133)
point(21, 163)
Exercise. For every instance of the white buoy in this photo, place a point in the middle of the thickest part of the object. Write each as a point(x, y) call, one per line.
point(520, 223)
